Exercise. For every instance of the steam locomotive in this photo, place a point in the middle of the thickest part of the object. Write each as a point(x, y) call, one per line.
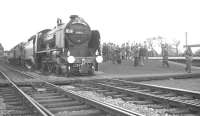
point(71, 48)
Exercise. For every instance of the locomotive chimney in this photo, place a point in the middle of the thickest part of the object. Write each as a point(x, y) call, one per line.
point(59, 21)
point(72, 17)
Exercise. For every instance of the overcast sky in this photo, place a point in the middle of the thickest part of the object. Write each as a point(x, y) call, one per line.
point(117, 20)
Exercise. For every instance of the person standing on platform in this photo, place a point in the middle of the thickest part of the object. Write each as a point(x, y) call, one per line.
point(165, 56)
point(136, 56)
point(145, 52)
point(141, 63)
point(188, 58)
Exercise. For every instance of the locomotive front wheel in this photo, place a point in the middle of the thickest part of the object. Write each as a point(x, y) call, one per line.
point(43, 69)
point(50, 67)
point(57, 70)
point(91, 70)
point(28, 64)
point(96, 67)
point(68, 73)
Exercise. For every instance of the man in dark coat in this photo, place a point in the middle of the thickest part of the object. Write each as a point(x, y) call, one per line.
point(165, 56)
point(188, 58)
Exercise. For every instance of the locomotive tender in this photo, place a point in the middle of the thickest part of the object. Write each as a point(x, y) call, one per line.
point(71, 48)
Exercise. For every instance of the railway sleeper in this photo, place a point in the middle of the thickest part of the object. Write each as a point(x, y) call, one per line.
point(109, 93)
point(62, 104)
point(13, 103)
point(195, 102)
point(83, 113)
point(11, 112)
point(6, 92)
point(51, 97)
point(43, 94)
point(102, 90)
point(11, 99)
point(9, 96)
point(158, 92)
point(176, 111)
point(169, 95)
point(142, 102)
point(9, 93)
point(47, 100)
point(155, 106)
point(9, 107)
point(143, 90)
point(70, 108)
point(184, 98)
point(46, 96)
point(119, 96)
point(129, 98)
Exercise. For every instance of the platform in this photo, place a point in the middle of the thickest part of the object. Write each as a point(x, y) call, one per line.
point(152, 70)
point(150, 67)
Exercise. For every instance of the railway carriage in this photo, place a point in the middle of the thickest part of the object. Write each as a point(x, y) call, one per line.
point(1, 50)
point(71, 48)
point(16, 54)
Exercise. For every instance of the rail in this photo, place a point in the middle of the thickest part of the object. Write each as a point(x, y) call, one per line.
point(109, 108)
point(25, 96)
point(172, 58)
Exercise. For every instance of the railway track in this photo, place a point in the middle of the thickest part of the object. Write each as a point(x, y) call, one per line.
point(147, 99)
point(14, 102)
point(2, 79)
point(54, 100)
point(135, 99)
point(20, 77)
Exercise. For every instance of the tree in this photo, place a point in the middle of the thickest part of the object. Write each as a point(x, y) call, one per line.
point(150, 43)
point(160, 40)
point(152, 40)
point(171, 50)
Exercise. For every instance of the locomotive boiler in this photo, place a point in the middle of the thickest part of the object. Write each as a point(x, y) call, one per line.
point(71, 48)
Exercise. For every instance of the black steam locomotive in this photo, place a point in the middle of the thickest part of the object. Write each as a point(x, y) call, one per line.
point(71, 48)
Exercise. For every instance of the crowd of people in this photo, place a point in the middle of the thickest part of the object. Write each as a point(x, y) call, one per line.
point(136, 52)
point(139, 53)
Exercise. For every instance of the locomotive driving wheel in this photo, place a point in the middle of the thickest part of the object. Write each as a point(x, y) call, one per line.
point(50, 67)
point(29, 64)
point(91, 70)
point(43, 67)
point(58, 69)
point(68, 72)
